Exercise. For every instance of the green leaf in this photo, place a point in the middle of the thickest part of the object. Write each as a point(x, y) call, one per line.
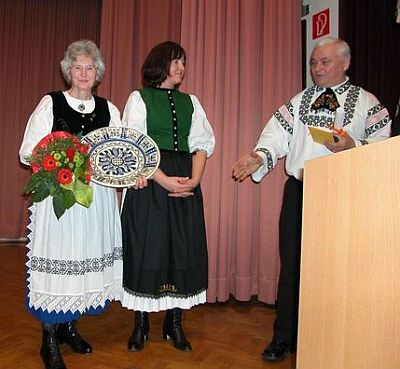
point(42, 190)
point(54, 188)
point(62, 200)
point(40, 179)
point(79, 172)
point(58, 205)
point(83, 193)
point(68, 186)
point(32, 183)
point(68, 198)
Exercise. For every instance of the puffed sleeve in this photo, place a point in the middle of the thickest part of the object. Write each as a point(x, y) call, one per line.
point(201, 136)
point(115, 117)
point(135, 113)
point(39, 125)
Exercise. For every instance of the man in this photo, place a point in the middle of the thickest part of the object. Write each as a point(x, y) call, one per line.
point(287, 133)
point(396, 119)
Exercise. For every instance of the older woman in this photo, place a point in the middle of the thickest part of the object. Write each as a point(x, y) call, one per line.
point(165, 250)
point(86, 241)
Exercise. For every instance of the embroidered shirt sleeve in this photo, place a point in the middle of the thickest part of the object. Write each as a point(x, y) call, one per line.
point(273, 142)
point(377, 118)
point(284, 116)
point(377, 121)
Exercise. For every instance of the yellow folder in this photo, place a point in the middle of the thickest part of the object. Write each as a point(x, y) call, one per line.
point(321, 136)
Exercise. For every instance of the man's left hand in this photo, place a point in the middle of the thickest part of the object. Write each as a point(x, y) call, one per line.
point(342, 142)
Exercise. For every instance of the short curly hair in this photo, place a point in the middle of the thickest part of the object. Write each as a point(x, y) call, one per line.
point(85, 48)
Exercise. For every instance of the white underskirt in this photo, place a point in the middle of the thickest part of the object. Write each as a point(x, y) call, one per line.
point(139, 303)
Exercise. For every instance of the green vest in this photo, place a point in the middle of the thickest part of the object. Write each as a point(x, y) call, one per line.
point(169, 117)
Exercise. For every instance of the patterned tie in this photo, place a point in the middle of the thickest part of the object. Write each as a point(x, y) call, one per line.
point(327, 100)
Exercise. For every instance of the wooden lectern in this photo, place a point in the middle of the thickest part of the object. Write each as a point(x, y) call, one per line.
point(349, 313)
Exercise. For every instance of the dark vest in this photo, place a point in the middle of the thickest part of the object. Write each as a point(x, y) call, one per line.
point(78, 124)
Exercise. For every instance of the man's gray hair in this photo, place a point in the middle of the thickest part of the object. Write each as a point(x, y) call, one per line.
point(343, 46)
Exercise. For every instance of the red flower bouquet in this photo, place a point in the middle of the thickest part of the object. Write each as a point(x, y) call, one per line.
point(61, 168)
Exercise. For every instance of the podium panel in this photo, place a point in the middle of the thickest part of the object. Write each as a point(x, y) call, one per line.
point(349, 312)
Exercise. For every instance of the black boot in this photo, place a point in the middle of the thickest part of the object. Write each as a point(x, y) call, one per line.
point(67, 333)
point(140, 331)
point(172, 328)
point(50, 351)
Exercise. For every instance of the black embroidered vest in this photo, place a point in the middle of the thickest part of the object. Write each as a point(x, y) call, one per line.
point(78, 124)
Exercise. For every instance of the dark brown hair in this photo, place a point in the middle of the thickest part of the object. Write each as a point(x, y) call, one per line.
point(156, 67)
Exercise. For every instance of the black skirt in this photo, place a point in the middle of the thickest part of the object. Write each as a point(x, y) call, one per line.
point(164, 238)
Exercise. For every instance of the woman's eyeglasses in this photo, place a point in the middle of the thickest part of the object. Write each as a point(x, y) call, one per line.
point(78, 68)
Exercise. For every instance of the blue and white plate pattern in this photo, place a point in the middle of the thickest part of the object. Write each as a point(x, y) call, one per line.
point(120, 155)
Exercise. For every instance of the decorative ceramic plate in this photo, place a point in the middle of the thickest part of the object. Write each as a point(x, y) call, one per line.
point(120, 155)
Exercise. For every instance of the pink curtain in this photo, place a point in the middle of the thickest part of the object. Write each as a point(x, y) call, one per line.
point(129, 30)
point(34, 36)
point(244, 61)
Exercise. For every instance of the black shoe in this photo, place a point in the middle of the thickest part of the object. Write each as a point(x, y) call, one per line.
point(172, 328)
point(140, 331)
point(67, 333)
point(276, 351)
point(50, 351)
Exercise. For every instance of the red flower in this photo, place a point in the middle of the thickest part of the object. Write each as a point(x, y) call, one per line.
point(35, 167)
point(49, 163)
point(88, 172)
point(70, 154)
point(64, 176)
point(84, 149)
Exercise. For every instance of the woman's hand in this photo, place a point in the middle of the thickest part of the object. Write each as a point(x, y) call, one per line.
point(176, 186)
point(141, 182)
point(190, 185)
point(199, 159)
point(179, 186)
